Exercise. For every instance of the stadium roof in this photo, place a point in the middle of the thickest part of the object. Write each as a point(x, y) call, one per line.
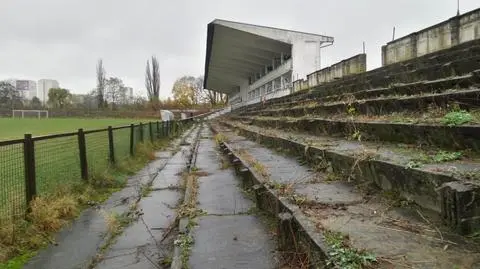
point(237, 50)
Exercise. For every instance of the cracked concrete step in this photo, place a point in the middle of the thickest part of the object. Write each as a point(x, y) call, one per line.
point(399, 236)
point(467, 98)
point(430, 133)
point(434, 86)
point(228, 236)
point(388, 167)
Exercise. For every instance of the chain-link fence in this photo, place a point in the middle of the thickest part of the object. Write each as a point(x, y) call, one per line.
point(12, 179)
point(38, 165)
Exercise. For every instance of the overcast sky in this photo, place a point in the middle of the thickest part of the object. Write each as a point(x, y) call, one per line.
point(62, 39)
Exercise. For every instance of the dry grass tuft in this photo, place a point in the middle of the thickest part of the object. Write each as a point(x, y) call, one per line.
point(50, 214)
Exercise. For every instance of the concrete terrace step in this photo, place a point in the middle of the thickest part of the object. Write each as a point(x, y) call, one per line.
point(408, 130)
point(415, 88)
point(410, 82)
point(399, 168)
point(400, 237)
point(464, 98)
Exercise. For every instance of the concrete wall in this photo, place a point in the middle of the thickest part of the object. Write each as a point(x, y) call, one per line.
point(305, 56)
point(444, 35)
point(353, 65)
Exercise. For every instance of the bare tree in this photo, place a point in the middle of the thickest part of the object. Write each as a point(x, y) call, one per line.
point(152, 79)
point(114, 91)
point(101, 84)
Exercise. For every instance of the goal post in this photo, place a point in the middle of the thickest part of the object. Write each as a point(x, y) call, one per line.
point(22, 113)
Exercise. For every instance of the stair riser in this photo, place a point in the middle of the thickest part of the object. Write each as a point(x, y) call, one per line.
point(413, 184)
point(454, 138)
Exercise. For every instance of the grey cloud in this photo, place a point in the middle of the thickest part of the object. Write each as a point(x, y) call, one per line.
point(63, 39)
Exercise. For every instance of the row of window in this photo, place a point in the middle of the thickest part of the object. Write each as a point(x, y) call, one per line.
point(277, 61)
point(270, 87)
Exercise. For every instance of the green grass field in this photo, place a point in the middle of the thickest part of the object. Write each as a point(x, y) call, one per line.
point(57, 160)
point(15, 128)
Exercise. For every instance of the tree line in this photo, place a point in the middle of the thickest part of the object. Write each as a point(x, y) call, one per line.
point(111, 93)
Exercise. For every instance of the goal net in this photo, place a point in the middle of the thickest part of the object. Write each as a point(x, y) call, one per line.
point(19, 113)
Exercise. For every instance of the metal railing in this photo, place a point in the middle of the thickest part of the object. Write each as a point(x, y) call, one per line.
point(38, 165)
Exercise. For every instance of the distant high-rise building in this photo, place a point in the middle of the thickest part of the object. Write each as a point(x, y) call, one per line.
point(43, 86)
point(129, 94)
point(126, 96)
point(26, 88)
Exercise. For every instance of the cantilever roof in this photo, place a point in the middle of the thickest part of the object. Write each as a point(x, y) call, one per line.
point(237, 50)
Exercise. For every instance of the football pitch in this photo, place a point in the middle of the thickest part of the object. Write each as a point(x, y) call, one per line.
point(15, 128)
point(57, 159)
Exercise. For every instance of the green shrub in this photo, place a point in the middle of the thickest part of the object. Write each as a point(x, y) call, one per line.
point(457, 118)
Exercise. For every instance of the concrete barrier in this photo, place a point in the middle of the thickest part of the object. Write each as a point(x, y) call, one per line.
point(444, 35)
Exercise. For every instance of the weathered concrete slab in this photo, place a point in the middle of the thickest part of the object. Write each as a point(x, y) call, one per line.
point(208, 159)
point(159, 208)
point(219, 194)
point(146, 257)
point(283, 169)
point(231, 242)
point(330, 193)
point(76, 244)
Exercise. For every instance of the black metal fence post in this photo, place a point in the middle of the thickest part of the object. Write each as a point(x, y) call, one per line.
point(158, 129)
point(163, 129)
point(141, 132)
point(82, 149)
point(132, 134)
point(29, 162)
point(111, 146)
point(150, 130)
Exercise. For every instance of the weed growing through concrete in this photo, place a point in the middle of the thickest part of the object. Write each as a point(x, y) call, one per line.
point(457, 118)
point(256, 165)
point(445, 156)
point(185, 242)
point(220, 138)
point(343, 256)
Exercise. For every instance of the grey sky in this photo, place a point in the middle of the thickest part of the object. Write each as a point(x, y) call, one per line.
point(62, 39)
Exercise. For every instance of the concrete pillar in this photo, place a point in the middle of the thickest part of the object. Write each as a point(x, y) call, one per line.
point(273, 63)
point(384, 55)
point(455, 31)
point(414, 40)
point(281, 58)
point(282, 83)
point(285, 233)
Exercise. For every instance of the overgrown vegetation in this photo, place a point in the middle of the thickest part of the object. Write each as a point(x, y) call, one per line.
point(220, 138)
point(254, 163)
point(189, 206)
point(459, 117)
point(185, 242)
point(438, 157)
point(21, 238)
point(445, 156)
point(343, 256)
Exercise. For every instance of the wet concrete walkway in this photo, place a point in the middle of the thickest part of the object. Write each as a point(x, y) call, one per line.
point(85, 240)
point(228, 236)
point(147, 242)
